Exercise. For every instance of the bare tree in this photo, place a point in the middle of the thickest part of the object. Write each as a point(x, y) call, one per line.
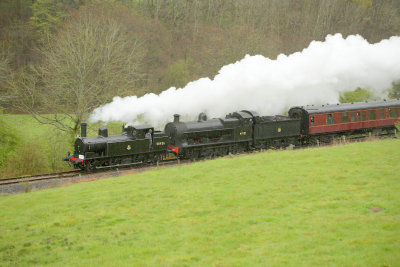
point(93, 58)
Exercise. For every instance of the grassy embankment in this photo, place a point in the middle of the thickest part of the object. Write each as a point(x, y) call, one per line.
point(39, 148)
point(320, 206)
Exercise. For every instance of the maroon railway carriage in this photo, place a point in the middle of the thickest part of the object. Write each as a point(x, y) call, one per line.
point(377, 117)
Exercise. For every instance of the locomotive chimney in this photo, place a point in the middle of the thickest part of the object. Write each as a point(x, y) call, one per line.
point(176, 117)
point(83, 129)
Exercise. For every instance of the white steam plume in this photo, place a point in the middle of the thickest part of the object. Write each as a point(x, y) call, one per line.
point(316, 75)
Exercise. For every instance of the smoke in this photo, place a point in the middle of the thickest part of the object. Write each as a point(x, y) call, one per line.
point(316, 75)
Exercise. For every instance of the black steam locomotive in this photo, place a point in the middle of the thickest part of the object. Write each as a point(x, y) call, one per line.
point(129, 147)
point(237, 132)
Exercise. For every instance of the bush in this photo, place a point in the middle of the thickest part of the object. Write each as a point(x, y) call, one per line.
point(25, 160)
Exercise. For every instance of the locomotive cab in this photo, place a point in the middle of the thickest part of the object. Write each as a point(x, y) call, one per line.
point(301, 114)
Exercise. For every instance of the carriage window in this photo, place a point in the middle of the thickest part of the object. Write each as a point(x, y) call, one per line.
point(391, 111)
point(371, 115)
point(329, 119)
point(353, 117)
point(363, 115)
point(344, 117)
point(396, 112)
point(381, 114)
point(388, 111)
point(312, 120)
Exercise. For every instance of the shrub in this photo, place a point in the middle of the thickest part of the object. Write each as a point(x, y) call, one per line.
point(26, 159)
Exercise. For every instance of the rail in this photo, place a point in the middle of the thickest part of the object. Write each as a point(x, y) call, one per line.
point(39, 177)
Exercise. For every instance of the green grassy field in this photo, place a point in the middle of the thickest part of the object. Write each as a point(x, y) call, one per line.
point(335, 206)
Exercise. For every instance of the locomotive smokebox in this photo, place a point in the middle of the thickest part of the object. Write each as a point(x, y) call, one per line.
point(83, 129)
point(176, 117)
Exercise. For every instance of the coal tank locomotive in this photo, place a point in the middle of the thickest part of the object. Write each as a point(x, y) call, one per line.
point(130, 147)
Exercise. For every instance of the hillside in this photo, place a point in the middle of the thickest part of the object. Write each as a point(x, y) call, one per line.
point(319, 206)
point(180, 41)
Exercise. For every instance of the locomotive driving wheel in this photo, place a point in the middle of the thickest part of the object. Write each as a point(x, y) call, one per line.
point(90, 166)
point(208, 153)
point(233, 150)
point(155, 159)
point(192, 154)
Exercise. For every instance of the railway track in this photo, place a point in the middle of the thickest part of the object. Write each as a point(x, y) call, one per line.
point(41, 181)
point(39, 177)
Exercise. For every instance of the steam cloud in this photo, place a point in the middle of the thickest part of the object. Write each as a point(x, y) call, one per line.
point(317, 75)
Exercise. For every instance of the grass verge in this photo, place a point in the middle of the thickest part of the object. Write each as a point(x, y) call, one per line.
point(327, 206)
